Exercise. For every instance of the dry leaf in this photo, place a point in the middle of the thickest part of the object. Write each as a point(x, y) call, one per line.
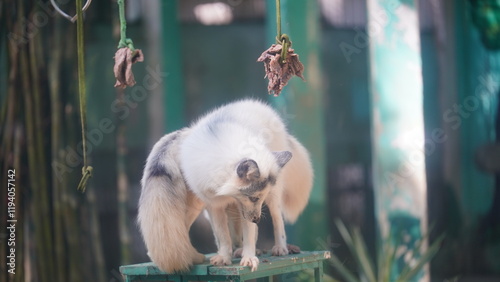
point(124, 58)
point(280, 73)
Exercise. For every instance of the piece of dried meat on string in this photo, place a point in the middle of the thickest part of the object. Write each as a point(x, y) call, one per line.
point(124, 58)
point(277, 72)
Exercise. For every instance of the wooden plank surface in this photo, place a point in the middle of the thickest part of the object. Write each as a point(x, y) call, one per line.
point(268, 265)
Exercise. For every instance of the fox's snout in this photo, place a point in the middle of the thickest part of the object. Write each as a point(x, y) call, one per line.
point(256, 219)
point(252, 216)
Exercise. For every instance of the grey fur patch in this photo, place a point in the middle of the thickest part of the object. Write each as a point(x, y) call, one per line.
point(248, 170)
point(282, 157)
point(156, 168)
point(272, 179)
point(255, 187)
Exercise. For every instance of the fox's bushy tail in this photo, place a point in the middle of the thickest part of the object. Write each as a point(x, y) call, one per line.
point(298, 175)
point(162, 220)
point(164, 215)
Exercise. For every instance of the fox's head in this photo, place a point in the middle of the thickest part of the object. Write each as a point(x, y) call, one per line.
point(253, 183)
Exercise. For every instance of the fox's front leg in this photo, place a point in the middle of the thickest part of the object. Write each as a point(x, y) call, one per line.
point(279, 248)
point(248, 257)
point(220, 227)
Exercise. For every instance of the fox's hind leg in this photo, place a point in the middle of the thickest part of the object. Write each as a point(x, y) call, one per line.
point(194, 206)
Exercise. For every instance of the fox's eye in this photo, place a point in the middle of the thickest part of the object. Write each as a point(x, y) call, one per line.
point(253, 199)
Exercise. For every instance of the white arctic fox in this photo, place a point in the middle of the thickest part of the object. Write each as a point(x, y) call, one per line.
point(236, 157)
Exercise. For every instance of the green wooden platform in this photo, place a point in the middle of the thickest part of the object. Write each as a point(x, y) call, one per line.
point(269, 266)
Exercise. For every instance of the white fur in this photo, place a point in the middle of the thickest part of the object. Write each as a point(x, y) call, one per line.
point(201, 163)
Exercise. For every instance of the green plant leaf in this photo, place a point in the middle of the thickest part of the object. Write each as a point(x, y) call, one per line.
point(409, 272)
point(364, 261)
point(425, 238)
point(385, 260)
point(386, 257)
point(345, 235)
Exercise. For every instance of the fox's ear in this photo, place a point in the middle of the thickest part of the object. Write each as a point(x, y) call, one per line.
point(282, 157)
point(248, 170)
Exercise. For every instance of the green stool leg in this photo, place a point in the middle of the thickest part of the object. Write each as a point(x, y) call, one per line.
point(318, 272)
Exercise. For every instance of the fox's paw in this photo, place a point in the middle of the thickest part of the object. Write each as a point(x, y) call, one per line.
point(279, 251)
point(252, 262)
point(220, 260)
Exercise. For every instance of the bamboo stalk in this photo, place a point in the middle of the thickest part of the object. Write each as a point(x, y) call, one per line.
point(35, 52)
point(72, 231)
point(11, 145)
point(18, 136)
point(9, 107)
point(42, 268)
point(121, 156)
point(69, 199)
point(24, 81)
point(56, 133)
point(9, 112)
point(13, 53)
point(122, 183)
point(3, 217)
point(74, 256)
point(95, 237)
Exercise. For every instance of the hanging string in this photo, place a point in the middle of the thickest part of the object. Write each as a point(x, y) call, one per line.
point(281, 39)
point(124, 41)
point(278, 21)
point(86, 169)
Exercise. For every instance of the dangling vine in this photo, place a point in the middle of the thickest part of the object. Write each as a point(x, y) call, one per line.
point(86, 169)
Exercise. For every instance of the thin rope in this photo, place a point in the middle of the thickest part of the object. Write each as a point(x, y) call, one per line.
point(86, 169)
point(281, 39)
point(278, 21)
point(124, 41)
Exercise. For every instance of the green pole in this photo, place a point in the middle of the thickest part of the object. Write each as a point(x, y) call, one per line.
point(301, 104)
point(172, 64)
point(473, 116)
point(397, 124)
